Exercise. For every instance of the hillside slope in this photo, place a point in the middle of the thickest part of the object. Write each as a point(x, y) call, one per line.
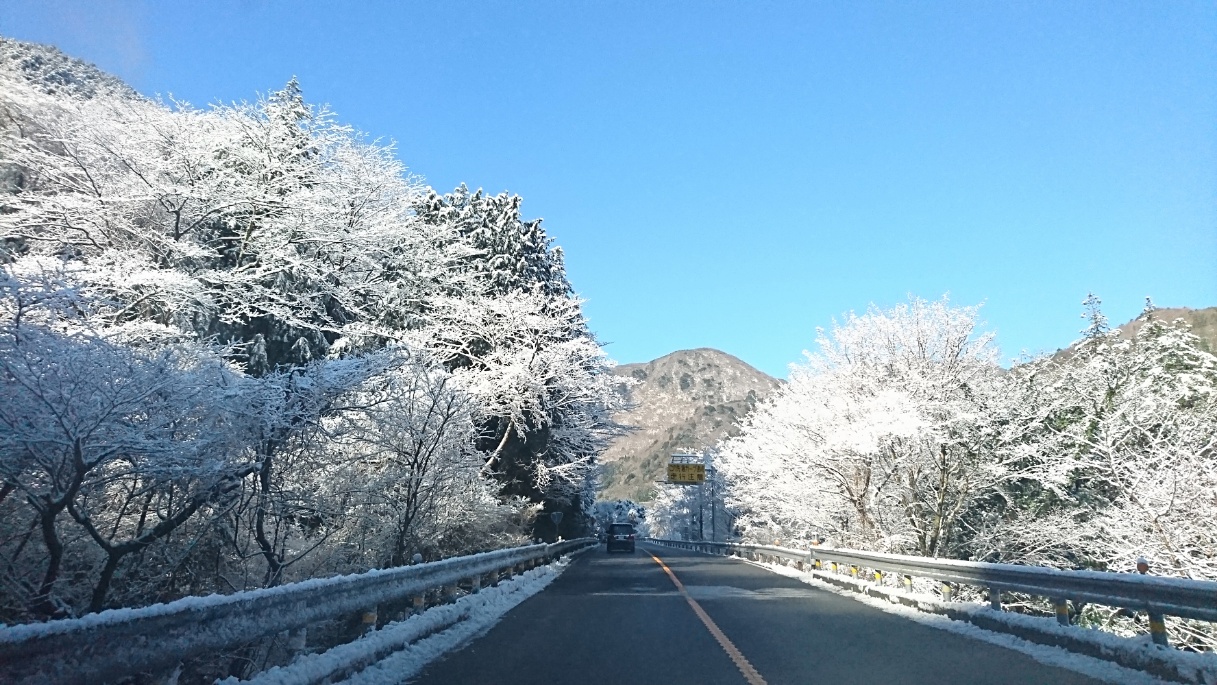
point(1202, 321)
point(58, 74)
point(685, 401)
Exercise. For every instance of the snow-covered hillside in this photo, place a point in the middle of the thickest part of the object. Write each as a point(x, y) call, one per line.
point(684, 401)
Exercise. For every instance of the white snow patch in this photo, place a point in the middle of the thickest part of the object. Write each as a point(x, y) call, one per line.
point(483, 611)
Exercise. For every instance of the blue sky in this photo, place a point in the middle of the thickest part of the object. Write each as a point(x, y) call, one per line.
point(733, 175)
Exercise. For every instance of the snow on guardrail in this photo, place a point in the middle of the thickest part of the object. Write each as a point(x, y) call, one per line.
point(112, 644)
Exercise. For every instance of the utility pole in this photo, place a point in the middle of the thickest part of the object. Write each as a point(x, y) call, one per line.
point(701, 512)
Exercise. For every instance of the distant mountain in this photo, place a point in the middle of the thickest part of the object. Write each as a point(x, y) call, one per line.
point(685, 401)
point(58, 73)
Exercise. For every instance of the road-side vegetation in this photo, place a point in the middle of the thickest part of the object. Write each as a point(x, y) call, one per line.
point(242, 345)
point(903, 434)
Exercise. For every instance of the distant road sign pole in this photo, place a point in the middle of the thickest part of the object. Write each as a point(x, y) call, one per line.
point(690, 469)
point(556, 517)
point(701, 512)
point(713, 496)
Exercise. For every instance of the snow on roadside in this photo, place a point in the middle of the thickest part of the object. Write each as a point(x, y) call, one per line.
point(484, 610)
point(1050, 656)
point(318, 667)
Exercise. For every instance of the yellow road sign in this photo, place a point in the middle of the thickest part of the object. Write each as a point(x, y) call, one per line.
point(686, 473)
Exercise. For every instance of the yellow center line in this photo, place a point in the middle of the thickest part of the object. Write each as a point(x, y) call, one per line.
point(737, 656)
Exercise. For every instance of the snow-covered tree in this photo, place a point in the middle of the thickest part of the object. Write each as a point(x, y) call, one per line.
point(406, 440)
point(1119, 463)
point(382, 370)
point(110, 441)
point(619, 511)
point(510, 255)
point(1096, 321)
point(543, 384)
point(880, 440)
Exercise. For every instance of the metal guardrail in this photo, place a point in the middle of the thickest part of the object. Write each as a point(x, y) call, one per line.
point(1156, 596)
point(121, 642)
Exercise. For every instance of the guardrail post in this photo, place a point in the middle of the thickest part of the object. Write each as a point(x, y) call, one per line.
point(908, 583)
point(834, 567)
point(946, 592)
point(296, 641)
point(1062, 610)
point(994, 598)
point(1157, 622)
point(878, 577)
point(1157, 629)
point(475, 584)
point(853, 571)
point(368, 619)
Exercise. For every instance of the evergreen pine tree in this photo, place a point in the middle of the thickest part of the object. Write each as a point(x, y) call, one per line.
point(1147, 313)
point(1096, 326)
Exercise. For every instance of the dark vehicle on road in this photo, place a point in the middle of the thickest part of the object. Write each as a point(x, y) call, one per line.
point(620, 536)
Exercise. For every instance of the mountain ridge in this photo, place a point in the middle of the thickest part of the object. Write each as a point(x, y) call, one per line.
point(684, 401)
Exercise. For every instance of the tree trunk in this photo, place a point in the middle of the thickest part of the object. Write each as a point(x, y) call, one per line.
point(98, 601)
point(274, 563)
point(42, 603)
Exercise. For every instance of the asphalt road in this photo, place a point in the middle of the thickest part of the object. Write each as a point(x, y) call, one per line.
point(611, 619)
